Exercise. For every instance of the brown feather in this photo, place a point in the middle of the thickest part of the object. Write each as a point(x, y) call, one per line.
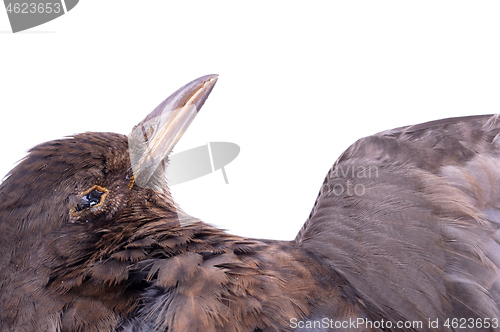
point(420, 242)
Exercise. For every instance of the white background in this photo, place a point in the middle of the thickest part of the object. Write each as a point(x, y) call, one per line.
point(299, 82)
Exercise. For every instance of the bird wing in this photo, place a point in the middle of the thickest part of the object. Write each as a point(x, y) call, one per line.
point(410, 218)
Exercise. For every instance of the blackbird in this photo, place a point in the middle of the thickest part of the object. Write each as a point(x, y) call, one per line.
point(403, 236)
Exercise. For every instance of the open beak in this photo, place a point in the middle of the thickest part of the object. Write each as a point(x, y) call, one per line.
point(151, 141)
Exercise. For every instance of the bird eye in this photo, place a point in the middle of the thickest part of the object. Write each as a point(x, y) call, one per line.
point(90, 198)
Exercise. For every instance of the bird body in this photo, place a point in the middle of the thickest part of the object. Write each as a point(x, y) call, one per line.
point(404, 231)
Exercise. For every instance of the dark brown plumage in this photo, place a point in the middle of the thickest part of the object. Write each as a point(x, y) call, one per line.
point(87, 246)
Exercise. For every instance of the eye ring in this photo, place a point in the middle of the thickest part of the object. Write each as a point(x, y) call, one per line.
point(92, 199)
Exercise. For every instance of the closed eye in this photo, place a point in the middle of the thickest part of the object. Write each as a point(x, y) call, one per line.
point(92, 197)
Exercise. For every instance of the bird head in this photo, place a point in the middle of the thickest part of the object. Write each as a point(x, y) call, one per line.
point(74, 202)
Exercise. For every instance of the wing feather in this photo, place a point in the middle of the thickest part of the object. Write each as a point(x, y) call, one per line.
point(418, 236)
